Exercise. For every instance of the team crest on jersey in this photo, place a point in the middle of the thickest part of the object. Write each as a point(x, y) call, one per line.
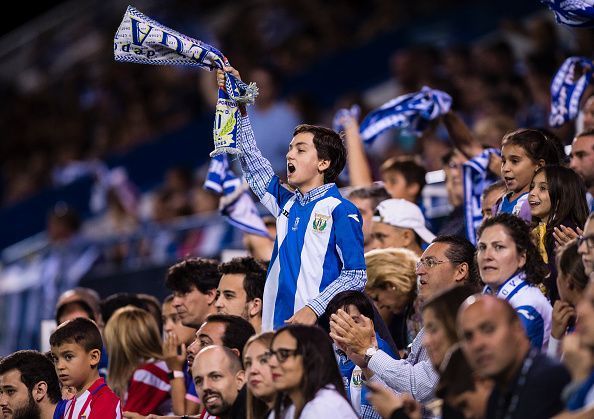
point(320, 222)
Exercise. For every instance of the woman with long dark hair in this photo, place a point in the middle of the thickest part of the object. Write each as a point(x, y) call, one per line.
point(512, 268)
point(306, 376)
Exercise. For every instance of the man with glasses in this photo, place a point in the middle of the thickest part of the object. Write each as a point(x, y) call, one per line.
point(447, 261)
point(586, 245)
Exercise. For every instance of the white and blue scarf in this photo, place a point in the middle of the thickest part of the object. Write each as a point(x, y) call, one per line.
point(140, 39)
point(412, 111)
point(566, 91)
point(236, 203)
point(353, 112)
point(577, 13)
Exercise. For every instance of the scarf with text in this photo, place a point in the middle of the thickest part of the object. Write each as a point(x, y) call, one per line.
point(140, 39)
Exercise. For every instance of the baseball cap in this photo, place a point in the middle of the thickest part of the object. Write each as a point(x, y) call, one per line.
point(404, 214)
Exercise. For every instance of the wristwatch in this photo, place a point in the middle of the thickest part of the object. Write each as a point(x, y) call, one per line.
point(175, 374)
point(369, 353)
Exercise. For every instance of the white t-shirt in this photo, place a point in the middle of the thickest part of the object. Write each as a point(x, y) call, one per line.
point(328, 403)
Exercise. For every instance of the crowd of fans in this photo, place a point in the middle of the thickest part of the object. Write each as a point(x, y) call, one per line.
point(362, 306)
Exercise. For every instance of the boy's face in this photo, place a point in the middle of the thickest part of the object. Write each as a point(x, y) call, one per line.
point(74, 365)
point(304, 168)
point(396, 185)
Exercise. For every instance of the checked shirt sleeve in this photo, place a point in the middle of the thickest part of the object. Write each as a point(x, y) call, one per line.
point(414, 375)
point(256, 168)
point(347, 280)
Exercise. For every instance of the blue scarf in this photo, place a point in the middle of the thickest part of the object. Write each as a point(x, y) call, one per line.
point(577, 13)
point(236, 204)
point(353, 112)
point(566, 92)
point(140, 39)
point(412, 111)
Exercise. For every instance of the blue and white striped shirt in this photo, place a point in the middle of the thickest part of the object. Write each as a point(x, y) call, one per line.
point(319, 244)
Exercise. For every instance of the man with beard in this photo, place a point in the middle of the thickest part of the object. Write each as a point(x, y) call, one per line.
point(29, 386)
point(220, 382)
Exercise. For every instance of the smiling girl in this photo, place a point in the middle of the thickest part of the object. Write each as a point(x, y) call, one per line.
point(522, 153)
point(557, 198)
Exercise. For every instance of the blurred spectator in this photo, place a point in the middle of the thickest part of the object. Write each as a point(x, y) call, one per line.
point(260, 386)
point(79, 302)
point(134, 346)
point(399, 223)
point(366, 199)
point(504, 354)
point(241, 290)
point(194, 284)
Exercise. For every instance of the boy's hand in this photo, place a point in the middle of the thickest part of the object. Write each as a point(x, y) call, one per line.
point(304, 316)
point(174, 359)
point(221, 75)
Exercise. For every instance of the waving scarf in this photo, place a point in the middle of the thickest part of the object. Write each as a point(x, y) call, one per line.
point(140, 39)
point(577, 13)
point(566, 91)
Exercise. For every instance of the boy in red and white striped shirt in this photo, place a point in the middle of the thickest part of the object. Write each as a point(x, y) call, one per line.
point(76, 348)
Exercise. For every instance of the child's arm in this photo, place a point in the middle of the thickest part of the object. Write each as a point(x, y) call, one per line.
point(349, 243)
point(461, 135)
point(356, 157)
point(256, 168)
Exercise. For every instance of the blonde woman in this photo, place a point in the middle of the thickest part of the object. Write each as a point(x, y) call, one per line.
point(136, 372)
point(260, 387)
point(392, 285)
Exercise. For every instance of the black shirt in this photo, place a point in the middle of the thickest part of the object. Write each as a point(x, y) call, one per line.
point(539, 396)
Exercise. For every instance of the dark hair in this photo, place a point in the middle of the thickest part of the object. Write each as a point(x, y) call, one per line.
point(445, 305)
point(460, 250)
point(237, 330)
point(80, 304)
point(344, 299)
point(154, 308)
point(34, 367)
point(319, 363)
point(586, 133)
point(569, 262)
point(66, 215)
point(116, 301)
point(500, 184)
point(375, 193)
point(567, 194)
point(255, 275)
point(456, 375)
point(196, 272)
point(536, 144)
point(535, 269)
point(411, 170)
point(83, 332)
point(329, 146)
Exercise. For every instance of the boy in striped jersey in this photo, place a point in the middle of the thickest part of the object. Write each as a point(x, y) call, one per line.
point(319, 245)
point(76, 349)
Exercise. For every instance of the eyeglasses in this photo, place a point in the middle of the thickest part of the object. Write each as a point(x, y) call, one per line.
point(588, 239)
point(283, 354)
point(429, 263)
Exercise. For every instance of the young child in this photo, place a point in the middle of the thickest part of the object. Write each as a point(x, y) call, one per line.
point(76, 349)
point(403, 178)
point(522, 153)
point(319, 245)
point(557, 198)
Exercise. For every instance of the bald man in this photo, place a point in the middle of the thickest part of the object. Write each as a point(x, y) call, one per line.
point(527, 384)
point(220, 381)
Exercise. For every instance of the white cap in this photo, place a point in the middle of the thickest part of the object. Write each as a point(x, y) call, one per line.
point(404, 214)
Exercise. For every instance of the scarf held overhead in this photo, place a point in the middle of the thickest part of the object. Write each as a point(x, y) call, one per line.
point(412, 111)
point(567, 89)
point(140, 39)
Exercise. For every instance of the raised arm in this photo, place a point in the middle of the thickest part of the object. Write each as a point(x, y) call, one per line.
point(359, 170)
point(256, 168)
point(461, 136)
